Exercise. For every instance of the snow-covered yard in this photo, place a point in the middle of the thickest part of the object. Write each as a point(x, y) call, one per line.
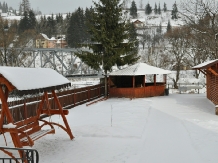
point(179, 128)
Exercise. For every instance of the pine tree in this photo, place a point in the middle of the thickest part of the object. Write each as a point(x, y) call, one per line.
point(165, 7)
point(133, 10)
point(148, 9)
point(32, 20)
point(169, 26)
point(25, 5)
point(4, 7)
point(108, 32)
point(174, 11)
point(155, 8)
point(159, 10)
point(24, 23)
point(133, 36)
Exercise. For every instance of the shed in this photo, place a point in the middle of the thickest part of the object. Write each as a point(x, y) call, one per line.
point(210, 70)
point(131, 81)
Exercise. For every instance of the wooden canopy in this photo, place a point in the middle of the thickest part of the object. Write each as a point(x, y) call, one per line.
point(32, 80)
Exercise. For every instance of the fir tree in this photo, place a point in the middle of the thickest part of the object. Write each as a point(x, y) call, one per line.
point(133, 36)
point(24, 23)
point(25, 5)
point(174, 11)
point(165, 7)
point(155, 8)
point(148, 9)
point(133, 10)
point(108, 32)
point(159, 10)
point(32, 20)
point(169, 26)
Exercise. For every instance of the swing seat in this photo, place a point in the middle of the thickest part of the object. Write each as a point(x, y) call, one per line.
point(30, 130)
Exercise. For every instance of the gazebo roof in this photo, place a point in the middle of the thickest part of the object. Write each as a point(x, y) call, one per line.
point(33, 80)
point(205, 65)
point(139, 69)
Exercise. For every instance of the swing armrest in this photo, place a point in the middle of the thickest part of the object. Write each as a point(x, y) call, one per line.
point(46, 123)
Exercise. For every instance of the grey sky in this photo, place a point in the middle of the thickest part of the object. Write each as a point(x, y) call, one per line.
point(65, 6)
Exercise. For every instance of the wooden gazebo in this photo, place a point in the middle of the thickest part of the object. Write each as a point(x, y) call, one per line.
point(131, 81)
point(28, 81)
point(210, 70)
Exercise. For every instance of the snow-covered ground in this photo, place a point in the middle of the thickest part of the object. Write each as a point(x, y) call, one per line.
point(179, 128)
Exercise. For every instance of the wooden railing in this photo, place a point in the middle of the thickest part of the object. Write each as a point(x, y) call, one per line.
point(22, 109)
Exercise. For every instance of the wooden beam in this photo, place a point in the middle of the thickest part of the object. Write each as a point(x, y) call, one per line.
point(54, 111)
point(7, 83)
point(155, 79)
point(62, 115)
point(203, 72)
point(213, 72)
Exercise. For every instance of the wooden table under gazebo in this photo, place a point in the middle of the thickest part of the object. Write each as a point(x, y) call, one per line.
point(130, 82)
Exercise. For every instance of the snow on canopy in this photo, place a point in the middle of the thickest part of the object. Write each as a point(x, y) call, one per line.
point(139, 69)
point(205, 64)
point(34, 78)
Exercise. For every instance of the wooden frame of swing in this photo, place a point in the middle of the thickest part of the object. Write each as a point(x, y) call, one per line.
point(19, 135)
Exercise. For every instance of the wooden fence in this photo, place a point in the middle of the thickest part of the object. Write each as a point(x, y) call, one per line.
point(27, 107)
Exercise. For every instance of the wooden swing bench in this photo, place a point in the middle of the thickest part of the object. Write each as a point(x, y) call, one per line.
point(28, 130)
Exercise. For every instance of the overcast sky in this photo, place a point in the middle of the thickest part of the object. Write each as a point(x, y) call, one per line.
point(65, 6)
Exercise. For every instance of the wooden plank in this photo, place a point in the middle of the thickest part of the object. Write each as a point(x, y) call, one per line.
point(54, 111)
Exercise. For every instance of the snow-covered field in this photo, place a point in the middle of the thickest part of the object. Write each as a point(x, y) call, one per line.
point(179, 128)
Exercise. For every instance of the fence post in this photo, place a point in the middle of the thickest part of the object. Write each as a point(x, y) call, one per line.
point(74, 98)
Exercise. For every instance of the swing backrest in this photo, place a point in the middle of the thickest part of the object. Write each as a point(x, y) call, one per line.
point(28, 126)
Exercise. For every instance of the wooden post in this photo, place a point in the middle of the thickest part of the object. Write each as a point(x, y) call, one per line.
point(74, 98)
point(144, 81)
point(154, 79)
point(62, 115)
point(216, 109)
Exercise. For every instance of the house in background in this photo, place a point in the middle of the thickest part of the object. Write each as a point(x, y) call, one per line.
point(138, 23)
point(42, 41)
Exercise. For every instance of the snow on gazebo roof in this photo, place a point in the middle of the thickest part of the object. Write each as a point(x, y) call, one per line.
point(205, 64)
point(34, 79)
point(139, 69)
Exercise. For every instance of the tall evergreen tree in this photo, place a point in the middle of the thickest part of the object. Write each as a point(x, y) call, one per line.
point(25, 5)
point(174, 11)
point(159, 10)
point(24, 23)
point(148, 9)
point(165, 7)
point(32, 20)
point(133, 10)
point(169, 27)
point(108, 32)
point(155, 8)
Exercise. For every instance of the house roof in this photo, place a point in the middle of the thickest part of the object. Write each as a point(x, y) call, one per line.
point(205, 65)
point(139, 69)
point(34, 80)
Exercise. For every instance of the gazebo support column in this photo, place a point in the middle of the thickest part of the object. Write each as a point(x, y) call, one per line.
point(144, 81)
point(154, 79)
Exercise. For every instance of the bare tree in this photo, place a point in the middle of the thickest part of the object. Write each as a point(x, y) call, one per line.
point(179, 40)
point(202, 17)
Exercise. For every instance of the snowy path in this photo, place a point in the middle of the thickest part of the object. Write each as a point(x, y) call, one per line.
point(179, 128)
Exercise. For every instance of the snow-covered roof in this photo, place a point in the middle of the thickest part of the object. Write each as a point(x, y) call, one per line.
point(139, 69)
point(29, 79)
point(45, 36)
point(52, 39)
point(205, 64)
